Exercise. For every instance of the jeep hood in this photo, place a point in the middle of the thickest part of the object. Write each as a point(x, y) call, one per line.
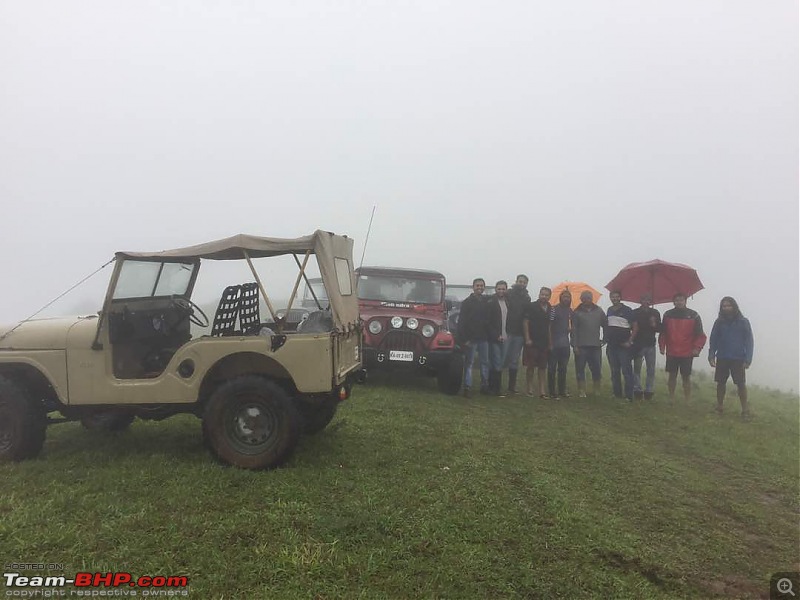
point(40, 334)
point(429, 312)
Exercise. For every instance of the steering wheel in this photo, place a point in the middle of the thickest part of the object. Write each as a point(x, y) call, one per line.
point(192, 310)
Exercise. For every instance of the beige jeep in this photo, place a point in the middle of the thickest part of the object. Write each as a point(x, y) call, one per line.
point(256, 386)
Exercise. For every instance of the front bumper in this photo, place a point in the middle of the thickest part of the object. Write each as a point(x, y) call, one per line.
point(385, 359)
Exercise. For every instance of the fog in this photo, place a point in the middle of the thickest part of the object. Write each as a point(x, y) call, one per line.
point(561, 140)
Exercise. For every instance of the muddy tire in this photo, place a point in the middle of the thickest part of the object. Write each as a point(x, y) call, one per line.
point(449, 377)
point(317, 415)
point(23, 423)
point(251, 423)
point(106, 421)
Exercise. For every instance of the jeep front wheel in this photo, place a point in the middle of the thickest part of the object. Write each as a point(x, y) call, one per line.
point(23, 423)
point(317, 415)
point(251, 423)
point(449, 376)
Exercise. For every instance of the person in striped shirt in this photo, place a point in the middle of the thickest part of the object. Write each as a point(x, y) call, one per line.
point(618, 350)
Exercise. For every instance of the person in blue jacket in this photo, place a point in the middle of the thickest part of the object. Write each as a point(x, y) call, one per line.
point(730, 351)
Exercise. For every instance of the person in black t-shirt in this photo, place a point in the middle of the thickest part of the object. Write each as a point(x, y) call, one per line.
point(646, 324)
point(536, 329)
point(473, 335)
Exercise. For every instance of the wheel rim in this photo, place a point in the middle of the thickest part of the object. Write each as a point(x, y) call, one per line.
point(251, 425)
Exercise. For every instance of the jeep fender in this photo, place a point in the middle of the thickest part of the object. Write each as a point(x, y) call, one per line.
point(243, 363)
point(37, 378)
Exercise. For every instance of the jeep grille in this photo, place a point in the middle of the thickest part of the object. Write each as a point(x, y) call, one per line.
point(402, 340)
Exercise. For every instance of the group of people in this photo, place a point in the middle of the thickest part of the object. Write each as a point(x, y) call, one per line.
point(496, 330)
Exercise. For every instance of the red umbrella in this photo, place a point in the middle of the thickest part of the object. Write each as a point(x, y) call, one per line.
point(662, 280)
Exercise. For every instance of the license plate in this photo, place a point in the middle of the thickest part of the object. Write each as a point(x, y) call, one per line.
point(401, 355)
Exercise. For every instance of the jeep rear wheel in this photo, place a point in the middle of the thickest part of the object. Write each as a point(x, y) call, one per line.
point(449, 376)
point(106, 421)
point(317, 415)
point(23, 423)
point(251, 423)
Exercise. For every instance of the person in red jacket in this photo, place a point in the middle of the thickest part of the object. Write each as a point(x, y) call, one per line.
point(681, 339)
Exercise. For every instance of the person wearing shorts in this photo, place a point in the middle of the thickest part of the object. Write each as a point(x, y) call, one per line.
point(730, 352)
point(681, 339)
point(536, 329)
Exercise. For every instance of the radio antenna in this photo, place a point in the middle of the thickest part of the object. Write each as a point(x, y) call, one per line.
point(366, 240)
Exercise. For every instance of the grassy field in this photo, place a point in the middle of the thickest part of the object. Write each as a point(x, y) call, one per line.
point(412, 494)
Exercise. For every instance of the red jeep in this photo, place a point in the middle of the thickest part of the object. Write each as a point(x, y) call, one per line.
point(406, 323)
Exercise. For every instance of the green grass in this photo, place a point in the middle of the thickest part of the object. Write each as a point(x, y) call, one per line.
point(412, 494)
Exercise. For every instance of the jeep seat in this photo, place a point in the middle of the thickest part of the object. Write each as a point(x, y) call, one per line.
point(249, 314)
point(227, 311)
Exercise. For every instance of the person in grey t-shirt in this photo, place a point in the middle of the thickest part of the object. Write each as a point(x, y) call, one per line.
point(588, 323)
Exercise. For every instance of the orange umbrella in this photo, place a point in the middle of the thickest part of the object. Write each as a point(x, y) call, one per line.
point(575, 288)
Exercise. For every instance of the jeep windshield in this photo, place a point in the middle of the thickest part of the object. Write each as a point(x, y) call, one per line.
point(400, 289)
point(146, 279)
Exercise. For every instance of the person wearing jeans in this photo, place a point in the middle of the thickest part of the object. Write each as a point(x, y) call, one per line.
point(498, 336)
point(479, 348)
point(618, 337)
point(588, 321)
point(473, 336)
point(646, 324)
point(591, 356)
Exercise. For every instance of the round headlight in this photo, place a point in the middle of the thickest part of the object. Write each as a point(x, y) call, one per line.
point(397, 322)
point(428, 330)
point(412, 323)
point(375, 327)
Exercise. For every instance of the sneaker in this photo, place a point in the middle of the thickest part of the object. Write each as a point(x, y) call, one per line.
point(582, 395)
point(638, 395)
point(746, 416)
point(648, 395)
point(467, 393)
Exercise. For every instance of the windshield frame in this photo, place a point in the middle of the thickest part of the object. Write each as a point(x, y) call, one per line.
point(406, 298)
point(119, 272)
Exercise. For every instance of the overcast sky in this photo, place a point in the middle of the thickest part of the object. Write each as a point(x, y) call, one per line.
point(560, 139)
